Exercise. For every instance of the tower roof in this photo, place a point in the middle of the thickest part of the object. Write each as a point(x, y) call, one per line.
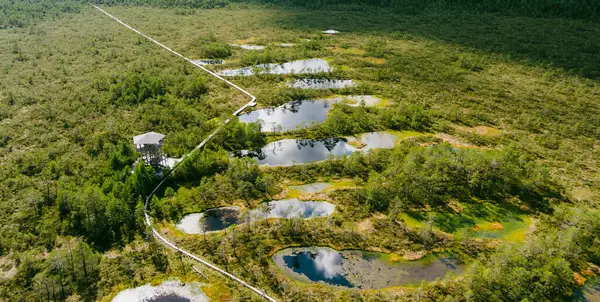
point(150, 138)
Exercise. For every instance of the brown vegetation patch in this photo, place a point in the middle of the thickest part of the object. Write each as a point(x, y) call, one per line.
point(496, 226)
point(168, 232)
point(579, 279)
point(412, 255)
point(74, 298)
point(7, 268)
point(366, 226)
point(524, 208)
point(245, 41)
point(589, 273)
point(493, 244)
point(481, 130)
point(456, 206)
point(217, 292)
point(374, 61)
point(582, 193)
point(351, 51)
point(532, 227)
point(112, 254)
point(455, 142)
point(318, 196)
point(356, 144)
point(281, 195)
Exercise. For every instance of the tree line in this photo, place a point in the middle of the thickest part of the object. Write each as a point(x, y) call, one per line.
point(23, 13)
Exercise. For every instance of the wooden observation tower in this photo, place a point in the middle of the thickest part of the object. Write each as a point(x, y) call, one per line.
point(149, 145)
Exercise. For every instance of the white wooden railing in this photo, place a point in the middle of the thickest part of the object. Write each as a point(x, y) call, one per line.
point(209, 137)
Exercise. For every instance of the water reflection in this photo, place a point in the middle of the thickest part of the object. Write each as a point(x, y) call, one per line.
point(374, 140)
point(301, 113)
point(209, 221)
point(302, 66)
point(249, 47)
point(290, 116)
point(361, 269)
point(321, 84)
point(358, 100)
point(168, 291)
point(288, 208)
point(321, 265)
point(299, 151)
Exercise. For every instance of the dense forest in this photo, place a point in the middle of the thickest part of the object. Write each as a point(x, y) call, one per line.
point(75, 87)
point(21, 13)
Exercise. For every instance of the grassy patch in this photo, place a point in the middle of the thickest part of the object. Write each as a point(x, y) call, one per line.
point(338, 184)
point(481, 130)
point(356, 144)
point(483, 220)
point(217, 291)
point(401, 135)
point(582, 193)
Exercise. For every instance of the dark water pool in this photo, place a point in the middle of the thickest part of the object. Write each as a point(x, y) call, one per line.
point(322, 265)
point(361, 269)
point(295, 67)
point(221, 218)
point(288, 152)
point(169, 298)
point(214, 220)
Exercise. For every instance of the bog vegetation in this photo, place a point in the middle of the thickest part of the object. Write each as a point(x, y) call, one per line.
point(75, 87)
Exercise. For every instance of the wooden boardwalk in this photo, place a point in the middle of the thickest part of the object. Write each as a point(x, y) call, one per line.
point(252, 102)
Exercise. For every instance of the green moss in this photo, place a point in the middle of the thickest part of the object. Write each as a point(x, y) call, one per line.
point(481, 221)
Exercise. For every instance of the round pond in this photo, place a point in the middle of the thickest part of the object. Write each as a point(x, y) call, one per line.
point(360, 269)
point(209, 221)
point(168, 291)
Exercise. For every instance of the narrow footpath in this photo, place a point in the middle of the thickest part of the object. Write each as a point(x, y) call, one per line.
point(208, 138)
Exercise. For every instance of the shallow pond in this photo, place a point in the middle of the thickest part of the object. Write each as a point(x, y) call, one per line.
point(321, 84)
point(168, 291)
point(287, 208)
point(249, 47)
point(374, 140)
point(295, 67)
point(290, 116)
point(312, 188)
point(357, 100)
point(288, 152)
point(301, 113)
point(367, 270)
point(214, 220)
